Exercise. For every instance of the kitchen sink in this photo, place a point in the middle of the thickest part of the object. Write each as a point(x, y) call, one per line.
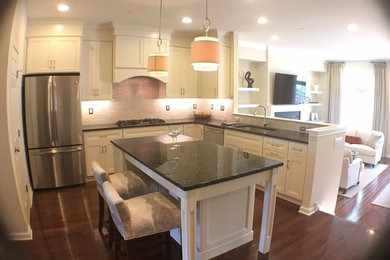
point(254, 128)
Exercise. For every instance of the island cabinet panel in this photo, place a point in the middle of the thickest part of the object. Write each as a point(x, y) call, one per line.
point(244, 142)
point(98, 148)
point(53, 54)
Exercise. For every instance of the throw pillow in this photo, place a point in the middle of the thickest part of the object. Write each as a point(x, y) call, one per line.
point(372, 140)
point(353, 139)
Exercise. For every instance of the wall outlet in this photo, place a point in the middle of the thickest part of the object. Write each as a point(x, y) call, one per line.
point(338, 141)
point(167, 107)
point(90, 110)
point(211, 106)
point(194, 106)
point(222, 108)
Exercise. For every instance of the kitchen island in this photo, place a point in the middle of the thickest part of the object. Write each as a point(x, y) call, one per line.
point(215, 185)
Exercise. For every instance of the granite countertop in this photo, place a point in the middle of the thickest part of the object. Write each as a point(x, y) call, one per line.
point(193, 164)
point(289, 135)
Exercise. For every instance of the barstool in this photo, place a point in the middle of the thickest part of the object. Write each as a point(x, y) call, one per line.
point(128, 184)
point(141, 216)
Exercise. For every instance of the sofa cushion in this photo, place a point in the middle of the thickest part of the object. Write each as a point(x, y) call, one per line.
point(353, 139)
point(362, 149)
point(373, 139)
point(351, 132)
point(364, 134)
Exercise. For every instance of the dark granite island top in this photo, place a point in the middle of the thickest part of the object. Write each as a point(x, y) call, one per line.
point(193, 164)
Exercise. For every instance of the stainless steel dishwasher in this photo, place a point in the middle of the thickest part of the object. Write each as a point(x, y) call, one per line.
point(213, 135)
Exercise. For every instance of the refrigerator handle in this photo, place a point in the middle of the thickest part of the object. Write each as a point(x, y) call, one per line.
point(50, 110)
point(56, 150)
point(54, 111)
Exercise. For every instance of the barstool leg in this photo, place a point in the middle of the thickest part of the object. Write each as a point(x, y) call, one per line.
point(101, 212)
point(111, 231)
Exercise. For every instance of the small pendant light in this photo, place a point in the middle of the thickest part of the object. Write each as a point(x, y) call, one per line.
point(205, 49)
point(158, 62)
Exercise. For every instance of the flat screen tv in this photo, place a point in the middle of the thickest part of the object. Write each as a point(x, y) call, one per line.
point(289, 89)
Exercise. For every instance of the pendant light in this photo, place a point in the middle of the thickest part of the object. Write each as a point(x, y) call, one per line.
point(158, 62)
point(205, 49)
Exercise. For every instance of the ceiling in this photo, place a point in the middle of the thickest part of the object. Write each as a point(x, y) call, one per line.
point(304, 24)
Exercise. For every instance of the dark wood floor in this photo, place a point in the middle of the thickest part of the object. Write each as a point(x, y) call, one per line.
point(64, 223)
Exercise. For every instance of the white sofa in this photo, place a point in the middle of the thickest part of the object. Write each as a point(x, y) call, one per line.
point(370, 146)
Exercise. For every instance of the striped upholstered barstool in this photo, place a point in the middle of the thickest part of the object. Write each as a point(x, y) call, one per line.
point(128, 184)
point(141, 216)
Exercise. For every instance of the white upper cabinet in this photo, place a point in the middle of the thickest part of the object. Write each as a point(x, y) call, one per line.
point(182, 78)
point(96, 70)
point(131, 56)
point(217, 84)
point(53, 54)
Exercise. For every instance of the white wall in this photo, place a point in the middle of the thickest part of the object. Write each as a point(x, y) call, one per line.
point(14, 216)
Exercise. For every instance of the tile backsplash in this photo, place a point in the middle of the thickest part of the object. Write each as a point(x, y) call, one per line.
point(140, 97)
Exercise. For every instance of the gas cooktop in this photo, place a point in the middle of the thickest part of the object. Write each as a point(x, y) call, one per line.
point(145, 121)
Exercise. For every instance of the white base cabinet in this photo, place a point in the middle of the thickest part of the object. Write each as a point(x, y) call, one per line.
point(244, 142)
point(98, 148)
point(193, 130)
point(53, 54)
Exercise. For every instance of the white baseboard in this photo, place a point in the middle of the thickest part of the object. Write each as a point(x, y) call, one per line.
point(28, 235)
point(308, 211)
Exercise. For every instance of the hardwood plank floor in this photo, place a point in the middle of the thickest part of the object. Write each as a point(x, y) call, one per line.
point(64, 223)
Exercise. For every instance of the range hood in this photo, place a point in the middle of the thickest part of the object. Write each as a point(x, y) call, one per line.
point(140, 87)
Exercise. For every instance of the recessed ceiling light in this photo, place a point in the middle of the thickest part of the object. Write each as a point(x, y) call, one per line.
point(352, 27)
point(63, 8)
point(274, 37)
point(262, 20)
point(186, 20)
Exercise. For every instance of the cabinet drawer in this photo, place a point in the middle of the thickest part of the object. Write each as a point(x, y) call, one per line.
point(145, 131)
point(274, 154)
point(104, 134)
point(297, 149)
point(275, 144)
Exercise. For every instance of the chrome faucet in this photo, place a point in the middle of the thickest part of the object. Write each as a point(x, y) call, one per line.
point(265, 114)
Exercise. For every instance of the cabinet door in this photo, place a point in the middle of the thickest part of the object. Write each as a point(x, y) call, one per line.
point(93, 152)
point(145, 131)
point(207, 84)
point(128, 52)
point(199, 132)
point(87, 75)
point(189, 130)
point(249, 143)
point(108, 150)
point(66, 54)
point(189, 78)
point(296, 170)
point(281, 170)
point(38, 54)
point(103, 70)
point(174, 86)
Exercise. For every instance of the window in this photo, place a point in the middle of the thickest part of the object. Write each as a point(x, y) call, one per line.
point(357, 95)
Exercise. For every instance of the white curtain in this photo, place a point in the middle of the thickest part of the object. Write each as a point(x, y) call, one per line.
point(335, 72)
point(380, 98)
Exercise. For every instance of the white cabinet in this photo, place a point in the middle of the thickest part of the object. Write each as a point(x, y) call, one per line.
point(131, 56)
point(182, 78)
point(216, 84)
point(296, 170)
point(53, 54)
point(193, 130)
point(96, 70)
point(277, 149)
point(98, 148)
point(244, 142)
point(291, 175)
point(148, 131)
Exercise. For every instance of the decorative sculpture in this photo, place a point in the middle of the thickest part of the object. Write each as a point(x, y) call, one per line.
point(249, 79)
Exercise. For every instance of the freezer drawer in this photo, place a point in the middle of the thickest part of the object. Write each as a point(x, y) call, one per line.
point(57, 167)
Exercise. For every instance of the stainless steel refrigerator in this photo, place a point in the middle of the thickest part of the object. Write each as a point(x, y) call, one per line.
point(52, 116)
